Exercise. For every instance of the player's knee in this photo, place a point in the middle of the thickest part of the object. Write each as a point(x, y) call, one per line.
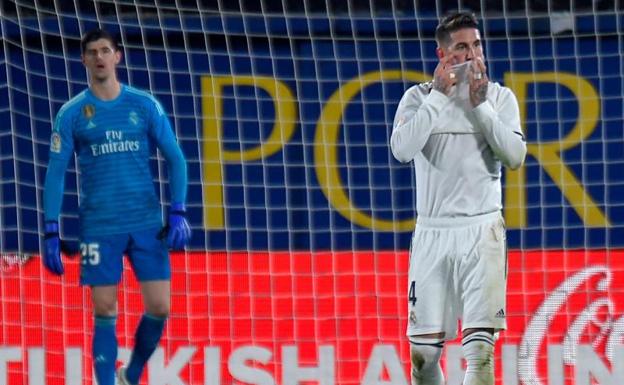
point(156, 298)
point(425, 356)
point(104, 300)
point(478, 350)
point(105, 307)
point(158, 309)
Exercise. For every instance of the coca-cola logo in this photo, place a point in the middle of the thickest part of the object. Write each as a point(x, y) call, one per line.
point(598, 315)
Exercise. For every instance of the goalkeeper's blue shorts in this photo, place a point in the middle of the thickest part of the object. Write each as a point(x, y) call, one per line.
point(102, 257)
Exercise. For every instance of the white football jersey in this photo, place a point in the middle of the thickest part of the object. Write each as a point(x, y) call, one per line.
point(457, 149)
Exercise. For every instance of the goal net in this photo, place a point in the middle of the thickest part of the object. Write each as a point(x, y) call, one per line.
point(302, 219)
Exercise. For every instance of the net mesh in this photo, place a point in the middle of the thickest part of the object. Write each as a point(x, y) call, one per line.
point(301, 216)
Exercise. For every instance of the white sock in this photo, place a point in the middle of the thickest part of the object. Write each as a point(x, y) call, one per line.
point(425, 357)
point(479, 354)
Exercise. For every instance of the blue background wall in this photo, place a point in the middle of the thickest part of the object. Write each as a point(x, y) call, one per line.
point(276, 203)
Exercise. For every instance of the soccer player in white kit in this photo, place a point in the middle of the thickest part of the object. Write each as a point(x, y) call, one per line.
point(458, 130)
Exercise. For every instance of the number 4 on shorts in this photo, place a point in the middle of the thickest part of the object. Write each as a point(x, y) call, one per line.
point(411, 296)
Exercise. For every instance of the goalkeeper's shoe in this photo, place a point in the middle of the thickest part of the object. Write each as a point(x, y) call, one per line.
point(121, 376)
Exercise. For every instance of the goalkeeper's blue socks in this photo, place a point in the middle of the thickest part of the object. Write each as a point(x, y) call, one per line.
point(145, 342)
point(104, 349)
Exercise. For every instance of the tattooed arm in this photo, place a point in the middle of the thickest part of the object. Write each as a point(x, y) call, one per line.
point(478, 82)
point(418, 111)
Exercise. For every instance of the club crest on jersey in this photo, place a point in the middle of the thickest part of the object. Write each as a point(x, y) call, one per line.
point(55, 142)
point(88, 111)
point(133, 118)
point(412, 318)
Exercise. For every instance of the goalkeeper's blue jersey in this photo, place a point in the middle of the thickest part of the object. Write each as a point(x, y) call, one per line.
point(112, 142)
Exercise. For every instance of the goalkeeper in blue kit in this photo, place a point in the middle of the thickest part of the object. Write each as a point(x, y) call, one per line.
point(110, 127)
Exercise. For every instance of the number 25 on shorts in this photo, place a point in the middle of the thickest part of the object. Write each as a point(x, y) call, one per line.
point(90, 253)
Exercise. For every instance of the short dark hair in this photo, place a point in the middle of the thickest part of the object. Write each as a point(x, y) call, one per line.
point(452, 23)
point(97, 34)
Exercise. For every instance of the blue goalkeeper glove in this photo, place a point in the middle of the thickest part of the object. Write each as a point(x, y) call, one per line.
point(52, 253)
point(53, 247)
point(177, 230)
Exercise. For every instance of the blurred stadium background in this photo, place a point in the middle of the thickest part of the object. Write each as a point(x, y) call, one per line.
point(301, 217)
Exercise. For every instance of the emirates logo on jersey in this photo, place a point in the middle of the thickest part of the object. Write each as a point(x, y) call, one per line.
point(88, 111)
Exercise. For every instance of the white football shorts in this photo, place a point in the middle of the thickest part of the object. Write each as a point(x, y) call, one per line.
point(457, 271)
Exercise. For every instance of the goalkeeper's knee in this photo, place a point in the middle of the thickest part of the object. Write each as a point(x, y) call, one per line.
point(425, 357)
point(478, 350)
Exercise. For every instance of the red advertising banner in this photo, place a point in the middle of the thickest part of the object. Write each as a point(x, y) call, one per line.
point(323, 317)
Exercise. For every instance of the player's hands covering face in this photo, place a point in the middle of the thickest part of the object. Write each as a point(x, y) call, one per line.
point(444, 76)
point(478, 81)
